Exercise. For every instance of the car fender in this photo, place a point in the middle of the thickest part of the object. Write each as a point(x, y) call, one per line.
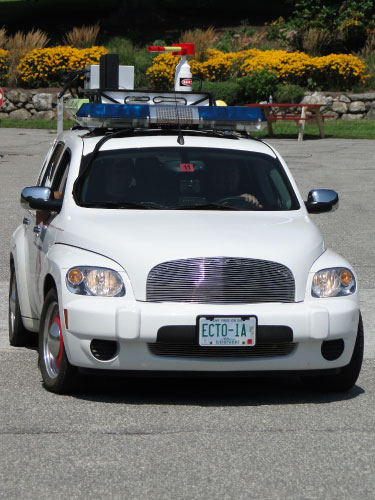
point(62, 257)
point(329, 259)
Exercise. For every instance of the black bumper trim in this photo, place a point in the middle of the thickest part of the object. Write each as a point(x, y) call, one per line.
point(207, 374)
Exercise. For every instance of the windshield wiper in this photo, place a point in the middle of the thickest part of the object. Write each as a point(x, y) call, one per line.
point(119, 204)
point(207, 206)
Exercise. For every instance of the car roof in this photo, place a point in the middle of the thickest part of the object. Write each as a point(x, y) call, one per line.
point(157, 138)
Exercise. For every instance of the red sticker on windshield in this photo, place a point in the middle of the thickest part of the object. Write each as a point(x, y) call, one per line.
point(186, 167)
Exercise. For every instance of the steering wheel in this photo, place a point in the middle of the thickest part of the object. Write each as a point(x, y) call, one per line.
point(237, 200)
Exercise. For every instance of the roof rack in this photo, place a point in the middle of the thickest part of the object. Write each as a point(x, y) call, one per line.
point(111, 107)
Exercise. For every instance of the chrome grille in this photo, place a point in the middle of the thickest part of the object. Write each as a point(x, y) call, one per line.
point(196, 351)
point(220, 280)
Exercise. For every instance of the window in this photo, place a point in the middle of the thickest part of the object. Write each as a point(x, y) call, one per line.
point(58, 181)
point(172, 178)
point(51, 167)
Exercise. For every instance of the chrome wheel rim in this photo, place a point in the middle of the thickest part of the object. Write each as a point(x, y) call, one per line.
point(52, 341)
point(12, 304)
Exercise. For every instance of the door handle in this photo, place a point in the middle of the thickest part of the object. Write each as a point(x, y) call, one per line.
point(36, 229)
point(26, 221)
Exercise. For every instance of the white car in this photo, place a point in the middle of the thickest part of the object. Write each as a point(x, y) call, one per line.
point(179, 251)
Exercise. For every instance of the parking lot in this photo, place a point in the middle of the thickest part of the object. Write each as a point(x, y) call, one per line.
point(268, 439)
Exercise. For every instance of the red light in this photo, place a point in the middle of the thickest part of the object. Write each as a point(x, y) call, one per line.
point(177, 49)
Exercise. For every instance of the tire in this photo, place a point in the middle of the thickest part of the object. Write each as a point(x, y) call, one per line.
point(348, 375)
point(59, 376)
point(19, 336)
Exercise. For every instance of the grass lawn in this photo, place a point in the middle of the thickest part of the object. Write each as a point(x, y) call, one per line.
point(45, 124)
point(338, 129)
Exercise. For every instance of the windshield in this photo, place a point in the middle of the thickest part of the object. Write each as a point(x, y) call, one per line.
point(185, 178)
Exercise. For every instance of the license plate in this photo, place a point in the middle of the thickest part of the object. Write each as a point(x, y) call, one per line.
point(227, 331)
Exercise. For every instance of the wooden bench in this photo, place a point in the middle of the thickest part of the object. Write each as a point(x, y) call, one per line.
point(287, 112)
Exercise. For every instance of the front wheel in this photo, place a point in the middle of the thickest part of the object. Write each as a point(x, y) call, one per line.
point(347, 376)
point(58, 374)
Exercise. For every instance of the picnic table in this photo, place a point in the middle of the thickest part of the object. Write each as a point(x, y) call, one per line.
point(299, 113)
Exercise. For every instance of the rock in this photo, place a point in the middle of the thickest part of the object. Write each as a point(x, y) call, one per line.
point(42, 102)
point(357, 107)
point(315, 98)
point(23, 97)
point(329, 100)
point(340, 107)
point(366, 96)
point(344, 98)
point(12, 96)
point(8, 106)
point(349, 116)
point(3, 115)
point(44, 115)
point(20, 114)
point(371, 114)
point(332, 115)
point(29, 106)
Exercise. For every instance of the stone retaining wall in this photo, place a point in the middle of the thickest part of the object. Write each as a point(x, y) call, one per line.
point(346, 106)
point(28, 104)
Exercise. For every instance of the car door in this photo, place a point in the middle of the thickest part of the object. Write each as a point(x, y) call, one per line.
point(29, 222)
point(44, 231)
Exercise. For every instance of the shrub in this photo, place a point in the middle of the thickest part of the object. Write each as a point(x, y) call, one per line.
point(338, 71)
point(217, 66)
point(130, 55)
point(3, 65)
point(19, 45)
point(239, 38)
point(331, 72)
point(83, 37)
point(257, 86)
point(229, 92)
point(202, 39)
point(288, 93)
point(290, 67)
point(3, 37)
point(337, 26)
point(43, 67)
point(161, 74)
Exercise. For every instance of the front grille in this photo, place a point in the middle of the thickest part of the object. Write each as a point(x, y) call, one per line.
point(220, 280)
point(196, 351)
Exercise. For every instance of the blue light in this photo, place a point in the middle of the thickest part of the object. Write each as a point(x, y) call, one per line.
point(145, 116)
point(231, 113)
point(108, 111)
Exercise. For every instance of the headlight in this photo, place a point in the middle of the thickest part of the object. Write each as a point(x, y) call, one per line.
point(333, 282)
point(95, 281)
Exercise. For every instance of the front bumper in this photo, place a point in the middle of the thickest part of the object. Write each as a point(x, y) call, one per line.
point(135, 325)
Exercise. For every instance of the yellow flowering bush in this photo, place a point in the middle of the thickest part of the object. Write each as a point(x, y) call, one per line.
point(332, 71)
point(43, 67)
point(3, 64)
point(340, 70)
point(292, 67)
point(161, 73)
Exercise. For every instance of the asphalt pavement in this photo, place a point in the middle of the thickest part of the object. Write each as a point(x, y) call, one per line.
point(264, 439)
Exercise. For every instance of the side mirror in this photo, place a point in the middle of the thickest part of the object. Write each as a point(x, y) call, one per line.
point(322, 200)
point(38, 198)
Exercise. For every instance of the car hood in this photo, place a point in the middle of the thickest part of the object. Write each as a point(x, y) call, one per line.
point(139, 240)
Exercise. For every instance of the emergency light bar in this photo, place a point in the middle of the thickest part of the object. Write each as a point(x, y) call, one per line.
point(191, 117)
